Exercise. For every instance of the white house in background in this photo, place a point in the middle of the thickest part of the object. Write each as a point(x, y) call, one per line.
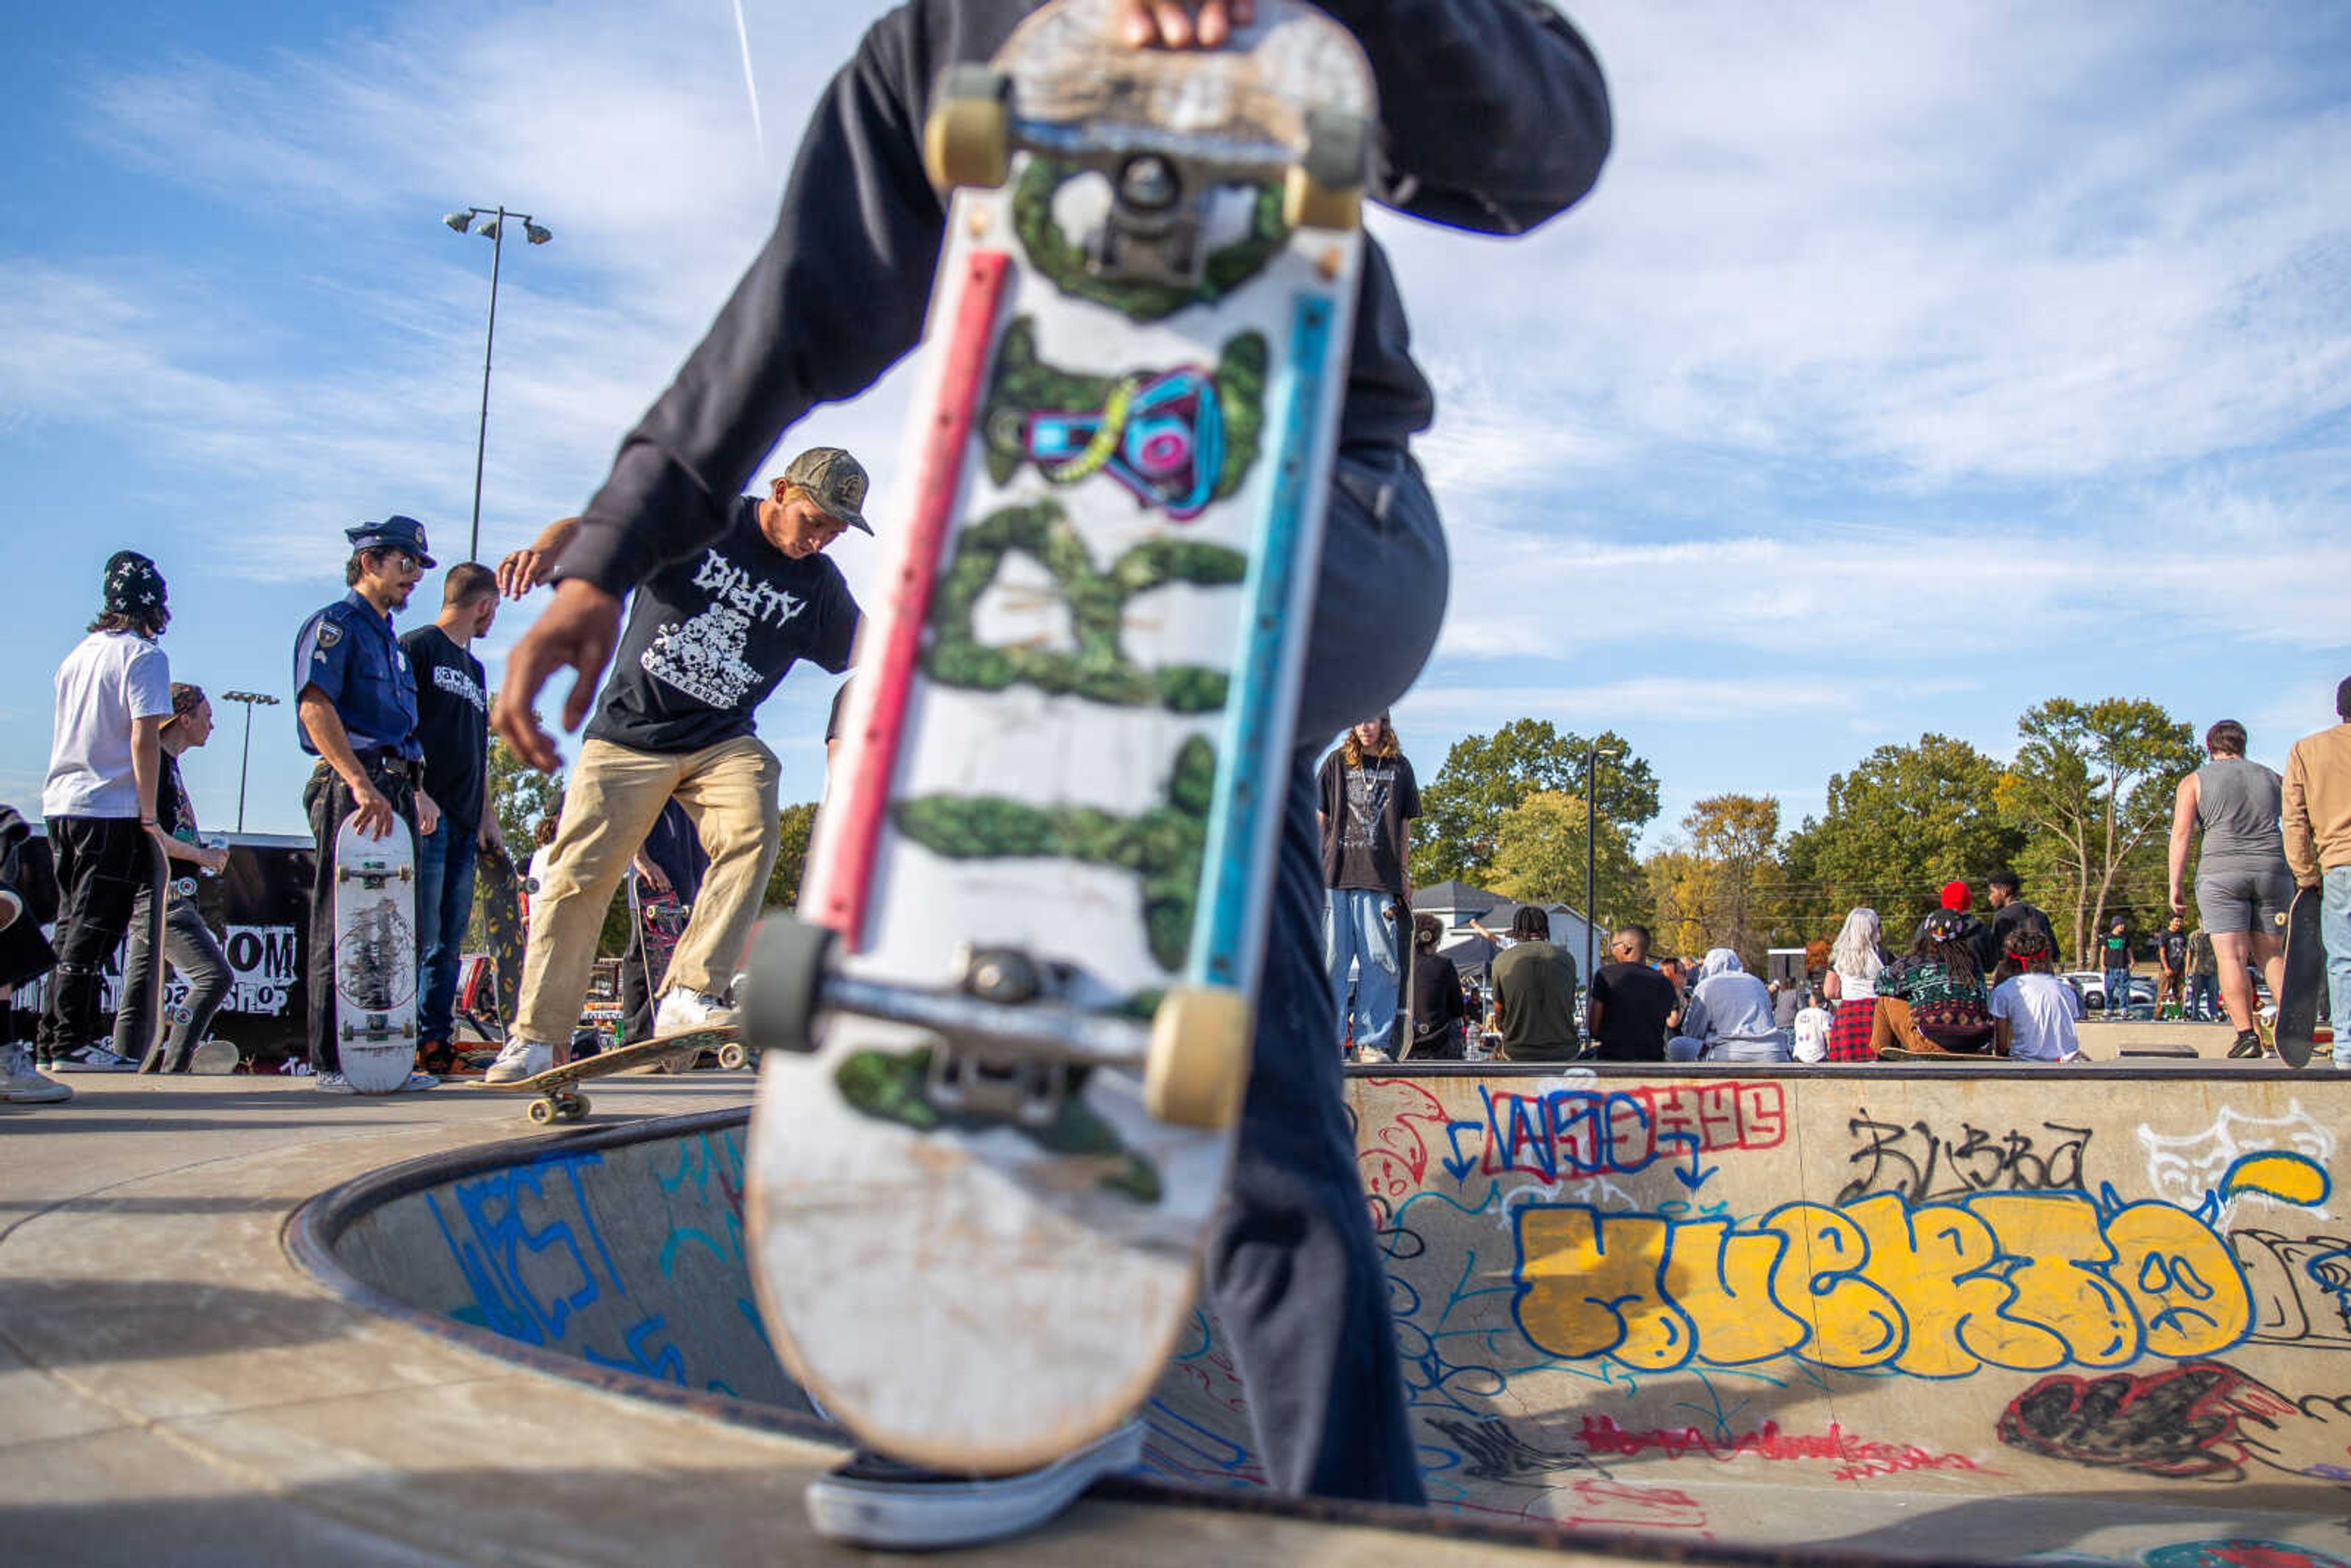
point(1458, 903)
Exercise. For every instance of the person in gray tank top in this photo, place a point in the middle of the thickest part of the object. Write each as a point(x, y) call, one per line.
point(2243, 883)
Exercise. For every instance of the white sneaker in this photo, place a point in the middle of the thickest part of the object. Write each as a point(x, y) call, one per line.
point(417, 1083)
point(22, 1084)
point(682, 1010)
point(518, 1060)
point(873, 1502)
point(93, 1058)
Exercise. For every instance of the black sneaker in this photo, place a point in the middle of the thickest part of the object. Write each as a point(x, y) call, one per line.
point(2248, 1044)
point(873, 1502)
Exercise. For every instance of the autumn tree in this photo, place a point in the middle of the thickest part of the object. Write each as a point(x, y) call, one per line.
point(1720, 886)
point(1538, 858)
point(1906, 819)
point(1486, 776)
point(2093, 781)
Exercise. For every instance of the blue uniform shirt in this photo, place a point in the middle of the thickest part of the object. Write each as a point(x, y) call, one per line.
point(348, 653)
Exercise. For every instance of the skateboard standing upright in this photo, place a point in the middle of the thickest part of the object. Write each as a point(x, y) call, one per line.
point(2301, 999)
point(499, 887)
point(375, 957)
point(1006, 1040)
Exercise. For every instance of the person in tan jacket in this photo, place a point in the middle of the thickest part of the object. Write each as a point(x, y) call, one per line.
point(2317, 818)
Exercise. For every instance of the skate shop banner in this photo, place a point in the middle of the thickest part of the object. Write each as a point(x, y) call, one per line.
point(259, 907)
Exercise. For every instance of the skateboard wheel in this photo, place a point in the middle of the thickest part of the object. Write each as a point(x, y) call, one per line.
point(1324, 190)
point(732, 1056)
point(539, 1112)
point(968, 140)
point(1199, 1060)
point(784, 983)
point(574, 1107)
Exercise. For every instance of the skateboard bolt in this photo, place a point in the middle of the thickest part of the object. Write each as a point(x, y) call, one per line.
point(1148, 182)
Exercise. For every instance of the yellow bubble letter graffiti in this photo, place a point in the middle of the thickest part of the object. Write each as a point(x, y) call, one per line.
point(1590, 1285)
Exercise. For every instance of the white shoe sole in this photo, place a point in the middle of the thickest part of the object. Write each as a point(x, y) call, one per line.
point(43, 1094)
point(932, 1515)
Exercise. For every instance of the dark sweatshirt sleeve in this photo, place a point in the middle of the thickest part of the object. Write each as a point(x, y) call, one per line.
point(833, 300)
point(1494, 115)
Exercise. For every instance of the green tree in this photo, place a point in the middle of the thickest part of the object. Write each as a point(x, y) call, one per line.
point(791, 856)
point(1539, 857)
point(2094, 782)
point(1736, 840)
point(521, 796)
point(1906, 819)
point(1485, 776)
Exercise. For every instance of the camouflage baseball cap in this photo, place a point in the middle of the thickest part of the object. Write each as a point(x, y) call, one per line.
point(835, 481)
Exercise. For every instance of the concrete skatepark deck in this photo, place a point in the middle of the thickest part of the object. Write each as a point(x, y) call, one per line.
point(1973, 1313)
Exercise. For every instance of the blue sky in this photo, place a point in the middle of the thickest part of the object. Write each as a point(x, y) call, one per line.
point(1911, 364)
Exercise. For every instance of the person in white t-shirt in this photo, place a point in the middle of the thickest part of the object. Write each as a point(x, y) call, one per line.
point(2033, 1012)
point(1813, 1024)
point(113, 699)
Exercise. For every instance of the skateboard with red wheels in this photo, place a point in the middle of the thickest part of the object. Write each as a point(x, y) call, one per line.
point(1007, 1036)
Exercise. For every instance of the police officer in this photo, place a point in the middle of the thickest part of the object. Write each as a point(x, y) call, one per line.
point(355, 709)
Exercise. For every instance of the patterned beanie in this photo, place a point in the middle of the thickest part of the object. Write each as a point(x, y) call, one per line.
point(133, 586)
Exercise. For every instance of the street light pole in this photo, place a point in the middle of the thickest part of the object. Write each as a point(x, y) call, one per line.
point(243, 767)
point(1591, 853)
point(496, 229)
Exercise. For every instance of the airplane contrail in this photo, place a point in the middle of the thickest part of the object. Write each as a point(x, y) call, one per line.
point(750, 83)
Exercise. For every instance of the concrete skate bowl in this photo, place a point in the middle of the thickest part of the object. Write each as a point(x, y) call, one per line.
point(1965, 1313)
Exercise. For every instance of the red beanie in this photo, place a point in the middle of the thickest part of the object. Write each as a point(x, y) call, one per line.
point(1955, 896)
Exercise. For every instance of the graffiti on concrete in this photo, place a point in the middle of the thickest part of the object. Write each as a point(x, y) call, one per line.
point(2188, 1168)
point(1927, 1166)
point(2201, 1420)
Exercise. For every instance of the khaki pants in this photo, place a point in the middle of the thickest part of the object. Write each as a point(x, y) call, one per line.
point(613, 798)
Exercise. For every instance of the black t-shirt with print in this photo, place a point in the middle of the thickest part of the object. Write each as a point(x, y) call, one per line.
point(1364, 809)
point(2171, 950)
point(710, 636)
point(2115, 950)
point(453, 713)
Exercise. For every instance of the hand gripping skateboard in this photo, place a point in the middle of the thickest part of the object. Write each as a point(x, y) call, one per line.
point(2302, 998)
point(375, 957)
point(1008, 1036)
point(557, 1099)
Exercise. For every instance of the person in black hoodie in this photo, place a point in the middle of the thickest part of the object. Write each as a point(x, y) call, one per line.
point(1494, 119)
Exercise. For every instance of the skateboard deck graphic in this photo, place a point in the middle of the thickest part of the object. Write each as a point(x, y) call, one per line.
point(559, 1101)
point(499, 887)
point(1030, 939)
point(2301, 1001)
point(375, 957)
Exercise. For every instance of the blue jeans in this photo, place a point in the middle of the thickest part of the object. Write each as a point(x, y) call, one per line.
point(1359, 932)
point(2118, 991)
point(1682, 1047)
point(444, 907)
point(2203, 997)
point(2335, 928)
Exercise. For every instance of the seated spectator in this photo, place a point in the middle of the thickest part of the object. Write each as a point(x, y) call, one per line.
point(1438, 1008)
point(1814, 1023)
point(2033, 1009)
point(1534, 993)
point(1856, 958)
point(1729, 1018)
point(1631, 1003)
point(1957, 900)
point(1932, 1002)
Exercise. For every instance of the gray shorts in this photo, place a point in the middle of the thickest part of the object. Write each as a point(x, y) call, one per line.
point(2234, 899)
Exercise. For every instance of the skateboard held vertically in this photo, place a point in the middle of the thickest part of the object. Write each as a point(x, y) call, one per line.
point(375, 957)
point(557, 1099)
point(499, 887)
point(2301, 1001)
point(1008, 1034)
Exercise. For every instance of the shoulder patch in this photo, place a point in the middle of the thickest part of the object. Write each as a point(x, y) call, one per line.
point(329, 633)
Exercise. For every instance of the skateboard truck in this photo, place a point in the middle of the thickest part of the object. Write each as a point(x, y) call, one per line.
point(996, 1056)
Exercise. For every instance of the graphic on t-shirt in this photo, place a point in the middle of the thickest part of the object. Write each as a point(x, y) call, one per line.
point(703, 657)
point(460, 683)
point(1368, 788)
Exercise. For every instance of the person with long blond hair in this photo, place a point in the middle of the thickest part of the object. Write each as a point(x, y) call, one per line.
point(1368, 795)
point(1856, 958)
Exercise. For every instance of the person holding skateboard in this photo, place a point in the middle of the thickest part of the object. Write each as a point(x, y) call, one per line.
point(189, 945)
point(355, 710)
point(2243, 880)
point(113, 699)
point(2316, 822)
point(727, 605)
point(836, 296)
point(452, 709)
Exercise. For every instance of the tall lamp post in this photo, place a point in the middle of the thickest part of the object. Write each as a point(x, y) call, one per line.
point(1592, 760)
point(248, 699)
point(493, 228)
